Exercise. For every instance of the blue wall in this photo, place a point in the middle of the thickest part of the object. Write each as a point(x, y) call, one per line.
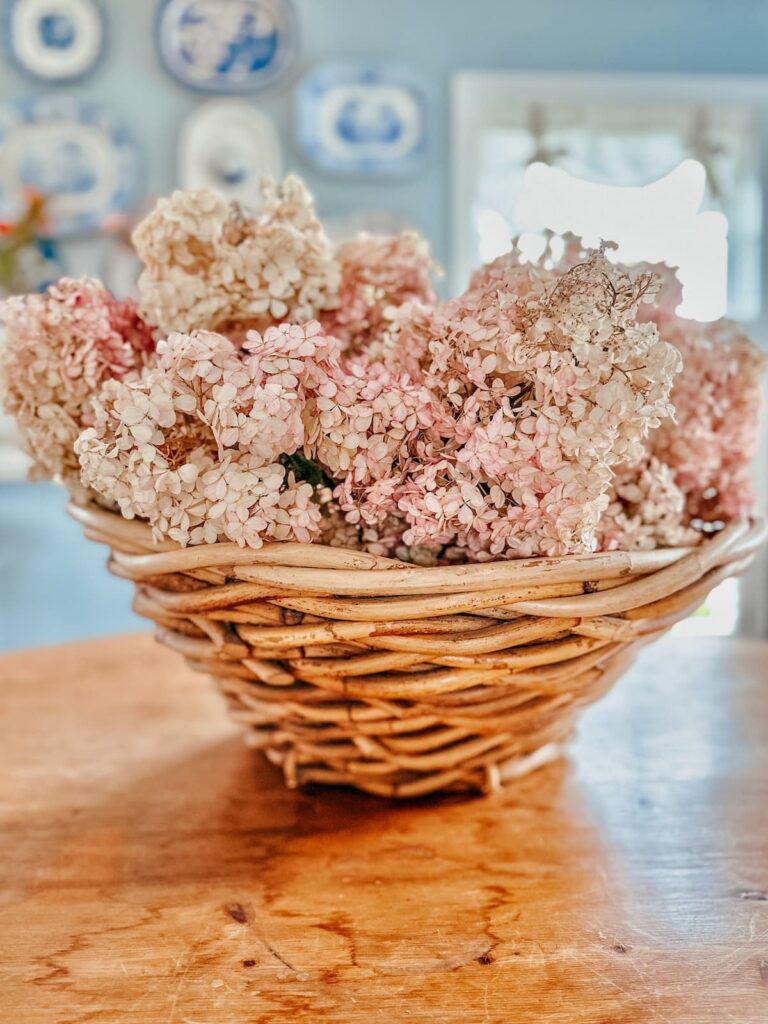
point(436, 37)
point(54, 585)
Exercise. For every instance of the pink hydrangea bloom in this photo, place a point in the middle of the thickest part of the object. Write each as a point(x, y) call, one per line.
point(365, 419)
point(714, 434)
point(60, 346)
point(694, 475)
point(379, 275)
point(545, 381)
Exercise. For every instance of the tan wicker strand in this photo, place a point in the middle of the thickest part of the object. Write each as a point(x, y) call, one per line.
point(349, 669)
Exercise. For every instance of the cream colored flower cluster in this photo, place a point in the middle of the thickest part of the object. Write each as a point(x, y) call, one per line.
point(195, 446)
point(646, 509)
point(210, 265)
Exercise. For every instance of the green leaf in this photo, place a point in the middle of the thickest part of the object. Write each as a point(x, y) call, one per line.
point(306, 469)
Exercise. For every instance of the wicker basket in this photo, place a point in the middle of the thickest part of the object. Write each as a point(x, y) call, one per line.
point(355, 670)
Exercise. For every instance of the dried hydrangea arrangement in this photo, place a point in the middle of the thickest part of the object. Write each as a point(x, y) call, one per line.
point(61, 346)
point(267, 388)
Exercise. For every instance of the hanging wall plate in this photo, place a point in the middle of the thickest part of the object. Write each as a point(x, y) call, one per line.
point(226, 46)
point(228, 146)
point(55, 40)
point(73, 153)
point(362, 119)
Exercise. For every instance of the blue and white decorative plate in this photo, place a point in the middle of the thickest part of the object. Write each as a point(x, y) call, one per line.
point(228, 146)
point(226, 46)
point(362, 119)
point(72, 152)
point(55, 40)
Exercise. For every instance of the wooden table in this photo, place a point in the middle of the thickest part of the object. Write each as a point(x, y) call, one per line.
point(156, 871)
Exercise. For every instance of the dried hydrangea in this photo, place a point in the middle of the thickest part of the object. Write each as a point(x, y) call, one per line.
point(647, 510)
point(379, 276)
point(198, 446)
point(384, 539)
point(696, 470)
point(298, 396)
point(715, 432)
point(545, 381)
point(211, 265)
point(366, 418)
point(60, 346)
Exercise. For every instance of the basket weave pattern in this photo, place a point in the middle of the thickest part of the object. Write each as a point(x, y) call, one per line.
point(400, 680)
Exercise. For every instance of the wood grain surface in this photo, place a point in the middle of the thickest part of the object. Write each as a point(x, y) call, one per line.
point(157, 872)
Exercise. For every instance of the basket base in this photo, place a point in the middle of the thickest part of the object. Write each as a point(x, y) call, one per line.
point(490, 778)
point(401, 759)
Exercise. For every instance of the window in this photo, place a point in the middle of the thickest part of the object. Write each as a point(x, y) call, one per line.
point(667, 167)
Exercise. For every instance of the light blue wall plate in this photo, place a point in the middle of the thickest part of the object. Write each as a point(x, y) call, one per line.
point(55, 40)
point(71, 151)
point(362, 119)
point(226, 46)
point(228, 145)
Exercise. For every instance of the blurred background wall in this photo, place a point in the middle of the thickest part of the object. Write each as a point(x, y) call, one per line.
point(436, 38)
point(53, 585)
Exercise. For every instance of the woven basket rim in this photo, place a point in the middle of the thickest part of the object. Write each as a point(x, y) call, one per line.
point(95, 517)
point(637, 578)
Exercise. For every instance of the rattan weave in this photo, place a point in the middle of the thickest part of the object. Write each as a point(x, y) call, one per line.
point(350, 669)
